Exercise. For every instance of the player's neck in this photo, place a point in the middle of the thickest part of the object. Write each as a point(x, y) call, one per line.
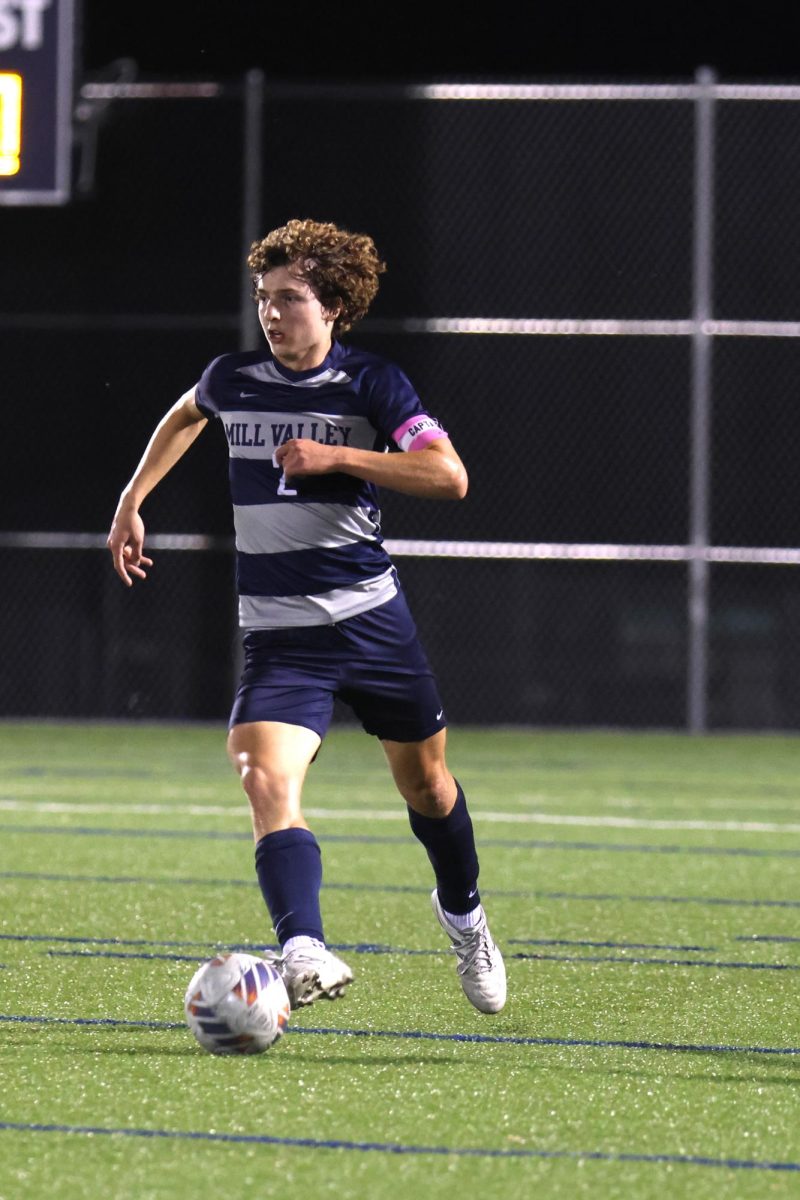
point(303, 360)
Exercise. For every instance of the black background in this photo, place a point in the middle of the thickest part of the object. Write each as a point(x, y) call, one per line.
point(135, 244)
point(381, 41)
point(148, 239)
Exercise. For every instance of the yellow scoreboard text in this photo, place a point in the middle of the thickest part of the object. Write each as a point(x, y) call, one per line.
point(10, 122)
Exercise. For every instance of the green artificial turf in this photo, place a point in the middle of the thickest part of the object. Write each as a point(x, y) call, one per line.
point(643, 888)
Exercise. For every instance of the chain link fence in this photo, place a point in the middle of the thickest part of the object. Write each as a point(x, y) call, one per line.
point(543, 297)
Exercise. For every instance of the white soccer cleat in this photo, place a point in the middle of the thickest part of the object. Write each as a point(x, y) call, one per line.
point(310, 972)
point(480, 964)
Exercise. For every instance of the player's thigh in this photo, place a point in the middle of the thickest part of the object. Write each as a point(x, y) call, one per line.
point(279, 752)
point(421, 773)
point(272, 759)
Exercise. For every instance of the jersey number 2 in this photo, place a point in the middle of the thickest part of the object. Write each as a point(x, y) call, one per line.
point(283, 490)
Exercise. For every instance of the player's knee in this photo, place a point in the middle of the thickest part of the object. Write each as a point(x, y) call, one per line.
point(432, 794)
point(262, 784)
point(274, 798)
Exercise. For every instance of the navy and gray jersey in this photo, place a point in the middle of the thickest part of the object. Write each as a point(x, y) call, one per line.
point(309, 551)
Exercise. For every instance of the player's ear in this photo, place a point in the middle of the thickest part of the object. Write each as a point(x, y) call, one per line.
point(333, 310)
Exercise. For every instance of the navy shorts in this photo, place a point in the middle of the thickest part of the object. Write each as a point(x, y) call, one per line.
point(373, 662)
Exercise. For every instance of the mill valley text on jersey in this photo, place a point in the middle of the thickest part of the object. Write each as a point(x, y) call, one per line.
point(314, 425)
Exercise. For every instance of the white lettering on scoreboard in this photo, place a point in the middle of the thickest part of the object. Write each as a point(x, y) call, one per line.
point(22, 23)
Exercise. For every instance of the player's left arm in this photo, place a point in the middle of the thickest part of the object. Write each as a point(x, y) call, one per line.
point(434, 472)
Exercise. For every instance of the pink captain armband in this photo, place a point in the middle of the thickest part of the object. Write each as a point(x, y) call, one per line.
point(417, 432)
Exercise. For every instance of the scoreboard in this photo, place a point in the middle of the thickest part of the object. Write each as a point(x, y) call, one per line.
point(37, 48)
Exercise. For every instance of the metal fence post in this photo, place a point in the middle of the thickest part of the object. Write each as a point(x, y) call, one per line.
point(252, 176)
point(701, 400)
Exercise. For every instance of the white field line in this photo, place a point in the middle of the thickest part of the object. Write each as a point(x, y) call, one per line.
point(357, 814)
point(63, 791)
point(709, 803)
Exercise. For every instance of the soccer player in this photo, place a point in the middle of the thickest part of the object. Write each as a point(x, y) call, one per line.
point(309, 420)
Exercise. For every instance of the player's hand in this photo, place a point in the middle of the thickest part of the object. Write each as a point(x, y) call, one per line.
point(301, 456)
point(126, 543)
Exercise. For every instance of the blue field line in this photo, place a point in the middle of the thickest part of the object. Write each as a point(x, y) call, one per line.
point(646, 962)
point(765, 937)
point(603, 945)
point(55, 877)
point(420, 1035)
point(731, 901)
point(108, 831)
point(255, 947)
point(405, 839)
point(245, 947)
point(403, 889)
point(351, 948)
point(399, 1148)
point(104, 1022)
point(190, 958)
point(397, 950)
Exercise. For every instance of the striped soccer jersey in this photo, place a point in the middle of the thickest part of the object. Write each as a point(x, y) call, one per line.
point(309, 552)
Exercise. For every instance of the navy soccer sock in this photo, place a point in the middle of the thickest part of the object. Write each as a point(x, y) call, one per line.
point(289, 869)
point(450, 844)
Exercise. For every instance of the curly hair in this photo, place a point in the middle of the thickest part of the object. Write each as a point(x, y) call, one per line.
point(341, 267)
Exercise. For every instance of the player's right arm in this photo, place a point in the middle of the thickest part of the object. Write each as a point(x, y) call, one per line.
point(172, 437)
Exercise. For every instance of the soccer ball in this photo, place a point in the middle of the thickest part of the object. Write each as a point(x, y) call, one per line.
point(237, 1004)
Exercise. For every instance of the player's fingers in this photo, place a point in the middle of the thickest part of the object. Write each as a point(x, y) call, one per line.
point(286, 450)
point(128, 560)
point(133, 554)
point(135, 562)
point(119, 567)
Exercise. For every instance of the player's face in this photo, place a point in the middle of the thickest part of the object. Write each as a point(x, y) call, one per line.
point(299, 330)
